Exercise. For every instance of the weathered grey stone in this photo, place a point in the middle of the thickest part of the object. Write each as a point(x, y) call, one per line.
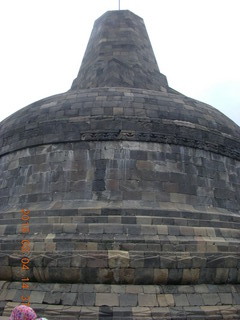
point(110, 299)
point(69, 298)
point(181, 300)
point(37, 296)
point(128, 300)
point(195, 299)
point(147, 300)
point(211, 299)
point(129, 183)
point(226, 298)
point(52, 298)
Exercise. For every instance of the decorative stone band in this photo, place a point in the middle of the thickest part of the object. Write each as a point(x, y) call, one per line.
point(163, 138)
point(189, 137)
point(121, 114)
point(123, 267)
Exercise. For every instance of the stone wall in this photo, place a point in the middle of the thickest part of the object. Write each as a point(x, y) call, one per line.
point(121, 114)
point(125, 174)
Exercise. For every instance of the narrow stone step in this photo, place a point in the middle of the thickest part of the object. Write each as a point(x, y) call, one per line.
point(158, 244)
point(118, 228)
point(209, 216)
point(138, 220)
point(84, 301)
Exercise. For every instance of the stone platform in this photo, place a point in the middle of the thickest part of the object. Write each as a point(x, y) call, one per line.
point(113, 255)
point(131, 302)
point(123, 246)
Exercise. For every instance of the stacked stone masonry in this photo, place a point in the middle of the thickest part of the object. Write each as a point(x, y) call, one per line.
point(133, 191)
point(112, 114)
point(127, 301)
point(128, 174)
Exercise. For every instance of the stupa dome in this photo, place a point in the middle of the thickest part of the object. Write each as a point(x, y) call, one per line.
point(133, 188)
point(120, 94)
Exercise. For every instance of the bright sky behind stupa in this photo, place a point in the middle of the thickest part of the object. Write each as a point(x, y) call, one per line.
point(196, 44)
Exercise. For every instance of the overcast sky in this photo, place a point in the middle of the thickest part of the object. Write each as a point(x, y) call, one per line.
point(196, 43)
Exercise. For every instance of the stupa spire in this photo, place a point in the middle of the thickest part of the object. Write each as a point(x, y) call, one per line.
point(119, 54)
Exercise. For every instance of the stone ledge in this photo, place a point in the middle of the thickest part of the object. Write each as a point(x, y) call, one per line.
point(181, 302)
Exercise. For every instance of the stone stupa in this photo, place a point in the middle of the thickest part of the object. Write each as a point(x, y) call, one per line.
point(133, 191)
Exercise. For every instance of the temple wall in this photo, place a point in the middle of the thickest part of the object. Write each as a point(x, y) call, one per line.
point(119, 174)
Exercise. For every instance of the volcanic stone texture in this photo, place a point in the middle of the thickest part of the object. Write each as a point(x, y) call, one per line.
point(133, 192)
point(122, 212)
point(119, 54)
point(124, 174)
point(110, 114)
point(127, 301)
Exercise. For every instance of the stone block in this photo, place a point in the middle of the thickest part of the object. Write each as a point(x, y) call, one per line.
point(162, 230)
point(211, 299)
point(195, 299)
point(151, 260)
point(69, 298)
point(86, 299)
point(105, 312)
point(186, 289)
point(148, 230)
point(63, 261)
point(102, 288)
point(132, 229)
point(69, 228)
point(167, 262)
point(6, 273)
point(79, 260)
point(160, 276)
point(226, 298)
point(221, 275)
point(37, 297)
point(90, 275)
point(175, 276)
point(118, 289)
point(190, 276)
point(106, 275)
point(128, 300)
point(134, 289)
point(17, 297)
point(151, 289)
point(147, 300)
point(181, 300)
point(174, 230)
point(236, 298)
point(184, 262)
point(86, 288)
point(162, 300)
point(52, 298)
point(125, 275)
point(89, 298)
point(170, 300)
point(143, 275)
point(113, 228)
point(118, 259)
point(4, 261)
point(198, 262)
point(95, 228)
point(109, 299)
point(10, 295)
point(97, 260)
